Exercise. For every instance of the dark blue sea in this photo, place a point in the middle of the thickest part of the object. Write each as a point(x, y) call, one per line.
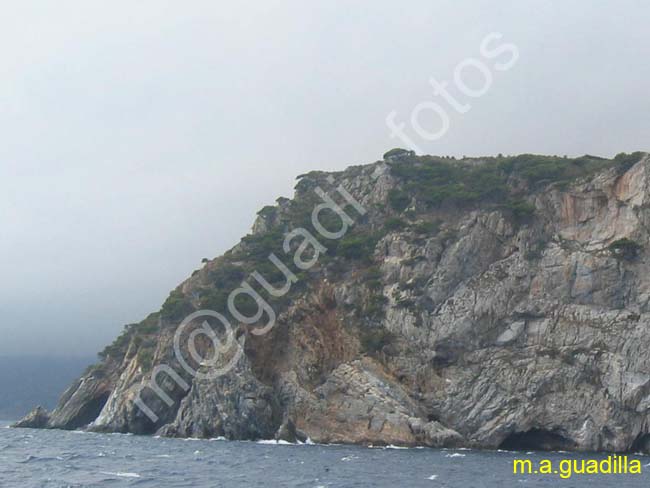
point(58, 459)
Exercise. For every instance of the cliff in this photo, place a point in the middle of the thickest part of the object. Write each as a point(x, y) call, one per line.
point(484, 302)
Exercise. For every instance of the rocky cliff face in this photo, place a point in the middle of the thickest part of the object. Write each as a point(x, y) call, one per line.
point(486, 302)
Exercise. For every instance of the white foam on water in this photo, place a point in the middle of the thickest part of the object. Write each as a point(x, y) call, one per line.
point(389, 446)
point(121, 475)
point(349, 458)
point(275, 442)
point(455, 454)
point(432, 477)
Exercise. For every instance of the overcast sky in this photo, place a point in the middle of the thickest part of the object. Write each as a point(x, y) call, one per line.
point(141, 136)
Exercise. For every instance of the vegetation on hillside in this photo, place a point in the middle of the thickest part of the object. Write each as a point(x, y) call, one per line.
point(426, 182)
point(625, 161)
point(434, 180)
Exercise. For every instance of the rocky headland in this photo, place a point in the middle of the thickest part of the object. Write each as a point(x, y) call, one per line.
point(483, 302)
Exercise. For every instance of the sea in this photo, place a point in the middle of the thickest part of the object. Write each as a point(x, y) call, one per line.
point(61, 459)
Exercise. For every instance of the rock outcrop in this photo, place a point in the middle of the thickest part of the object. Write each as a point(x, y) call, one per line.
point(484, 303)
point(36, 419)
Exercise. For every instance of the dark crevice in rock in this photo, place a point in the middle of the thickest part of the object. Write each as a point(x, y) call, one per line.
point(641, 444)
point(447, 352)
point(536, 440)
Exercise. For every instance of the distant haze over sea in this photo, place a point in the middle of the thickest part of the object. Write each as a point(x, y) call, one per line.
point(35, 380)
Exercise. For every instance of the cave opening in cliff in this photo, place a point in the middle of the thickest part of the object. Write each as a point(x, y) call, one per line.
point(89, 412)
point(536, 440)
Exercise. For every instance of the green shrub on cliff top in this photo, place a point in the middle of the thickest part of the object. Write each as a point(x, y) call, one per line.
point(118, 348)
point(177, 306)
point(521, 210)
point(434, 181)
point(394, 223)
point(398, 199)
point(626, 161)
point(226, 275)
point(357, 246)
point(426, 228)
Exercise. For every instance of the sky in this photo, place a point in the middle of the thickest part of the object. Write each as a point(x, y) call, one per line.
point(139, 137)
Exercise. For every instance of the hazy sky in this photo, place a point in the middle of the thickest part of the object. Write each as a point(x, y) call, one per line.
point(141, 136)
